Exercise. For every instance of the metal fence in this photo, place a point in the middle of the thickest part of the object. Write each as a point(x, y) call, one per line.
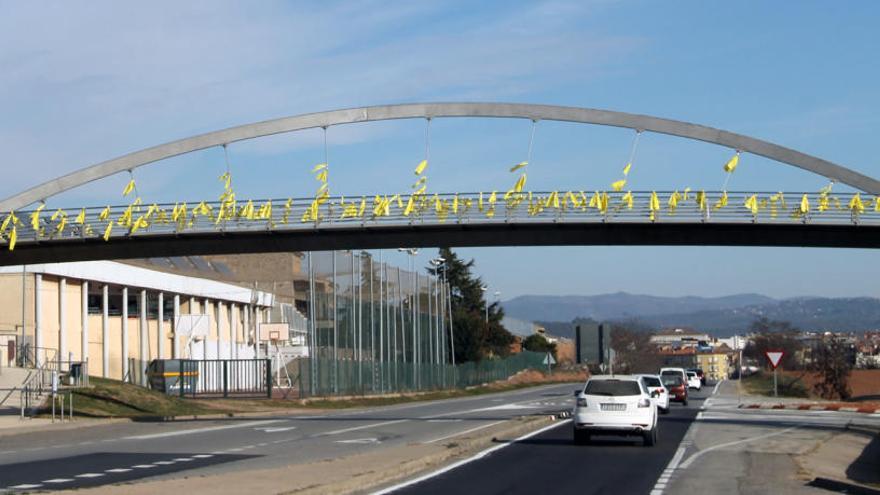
point(327, 377)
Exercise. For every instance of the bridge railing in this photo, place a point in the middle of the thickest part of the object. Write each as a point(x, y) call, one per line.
point(287, 214)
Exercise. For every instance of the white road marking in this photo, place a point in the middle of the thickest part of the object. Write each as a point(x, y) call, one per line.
point(463, 432)
point(164, 463)
point(203, 456)
point(144, 466)
point(277, 429)
point(89, 475)
point(117, 470)
point(183, 459)
point(363, 427)
point(25, 487)
point(59, 480)
point(203, 430)
point(476, 457)
point(444, 420)
point(360, 441)
point(690, 460)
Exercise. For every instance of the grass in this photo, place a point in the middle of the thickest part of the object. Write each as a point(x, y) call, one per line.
point(761, 383)
point(114, 399)
point(111, 398)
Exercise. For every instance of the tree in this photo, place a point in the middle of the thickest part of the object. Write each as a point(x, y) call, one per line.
point(634, 352)
point(831, 362)
point(772, 335)
point(475, 339)
point(538, 343)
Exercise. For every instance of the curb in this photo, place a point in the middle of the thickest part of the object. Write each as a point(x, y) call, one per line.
point(413, 468)
point(813, 407)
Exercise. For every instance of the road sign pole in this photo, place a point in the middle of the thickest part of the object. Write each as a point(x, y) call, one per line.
point(775, 385)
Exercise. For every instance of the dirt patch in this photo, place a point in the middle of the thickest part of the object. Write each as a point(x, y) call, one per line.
point(864, 384)
point(539, 377)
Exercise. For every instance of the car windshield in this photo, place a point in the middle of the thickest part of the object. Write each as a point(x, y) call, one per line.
point(692, 375)
point(612, 388)
point(651, 381)
point(671, 380)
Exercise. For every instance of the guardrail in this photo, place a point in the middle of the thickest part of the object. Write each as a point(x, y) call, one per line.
point(287, 214)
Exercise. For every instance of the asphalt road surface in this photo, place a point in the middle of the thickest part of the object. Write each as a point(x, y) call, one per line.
point(127, 452)
point(550, 462)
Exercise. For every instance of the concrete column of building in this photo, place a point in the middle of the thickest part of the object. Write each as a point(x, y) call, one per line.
point(176, 346)
point(84, 351)
point(233, 335)
point(220, 337)
point(105, 330)
point(144, 352)
point(247, 324)
point(258, 316)
point(38, 318)
point(206, 312)
point(62, 323)
point(125, 334)
point(160, 337)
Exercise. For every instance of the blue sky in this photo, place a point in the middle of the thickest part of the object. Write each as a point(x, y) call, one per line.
point(82, 82)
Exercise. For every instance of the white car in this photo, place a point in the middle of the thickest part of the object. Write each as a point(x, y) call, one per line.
point(614, 405)
point(658, 392)
point(694, 381)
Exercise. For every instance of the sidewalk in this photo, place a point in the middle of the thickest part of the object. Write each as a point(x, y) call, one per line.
point(754, 451)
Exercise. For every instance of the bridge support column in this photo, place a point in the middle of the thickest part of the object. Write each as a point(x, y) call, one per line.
point(175, 348)
point(62, 323)
point(105, 331)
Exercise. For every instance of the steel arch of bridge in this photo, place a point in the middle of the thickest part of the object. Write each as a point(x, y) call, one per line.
point(648, 123)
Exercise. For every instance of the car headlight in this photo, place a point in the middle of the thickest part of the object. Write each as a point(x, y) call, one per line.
point(644, 402)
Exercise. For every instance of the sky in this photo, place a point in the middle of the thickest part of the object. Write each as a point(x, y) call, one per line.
point(86, 81)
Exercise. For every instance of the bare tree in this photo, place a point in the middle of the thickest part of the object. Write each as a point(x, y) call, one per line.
point(831, 362)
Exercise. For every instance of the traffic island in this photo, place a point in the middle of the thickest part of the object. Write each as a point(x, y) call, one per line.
point(349, 474)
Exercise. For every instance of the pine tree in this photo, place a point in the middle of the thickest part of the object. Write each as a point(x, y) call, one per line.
point(474, 338)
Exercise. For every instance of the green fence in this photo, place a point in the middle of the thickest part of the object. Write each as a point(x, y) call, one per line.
point(327, 377)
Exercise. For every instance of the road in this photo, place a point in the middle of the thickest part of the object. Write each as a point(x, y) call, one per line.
point(551, 462)
point(126, 452)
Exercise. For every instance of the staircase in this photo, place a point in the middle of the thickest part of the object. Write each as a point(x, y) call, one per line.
point(11, 381)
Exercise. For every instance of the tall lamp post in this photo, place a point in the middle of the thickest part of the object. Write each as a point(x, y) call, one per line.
point(485, 302)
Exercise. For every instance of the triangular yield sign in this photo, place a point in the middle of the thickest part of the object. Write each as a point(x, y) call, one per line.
point(774, 357)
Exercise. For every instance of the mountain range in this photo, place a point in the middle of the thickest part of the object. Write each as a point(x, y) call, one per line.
point(720, 316)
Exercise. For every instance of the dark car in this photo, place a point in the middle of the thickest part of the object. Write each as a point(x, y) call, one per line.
point(678, 390)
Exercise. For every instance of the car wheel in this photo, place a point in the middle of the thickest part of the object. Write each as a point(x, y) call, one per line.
point(649, 438)
point(581, 437)
point(684, 402)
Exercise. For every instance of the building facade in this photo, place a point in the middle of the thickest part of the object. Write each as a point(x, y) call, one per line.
point(117, 317)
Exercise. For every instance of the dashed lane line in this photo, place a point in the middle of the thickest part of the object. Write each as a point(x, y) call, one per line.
point(362, 427)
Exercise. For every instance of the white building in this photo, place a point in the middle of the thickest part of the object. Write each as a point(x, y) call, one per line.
point(118, 317)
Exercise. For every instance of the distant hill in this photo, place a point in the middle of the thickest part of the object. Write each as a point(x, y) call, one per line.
point(722, 316)
point(620, 305)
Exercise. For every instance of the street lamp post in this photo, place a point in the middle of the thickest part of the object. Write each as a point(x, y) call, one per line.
point(485, 302)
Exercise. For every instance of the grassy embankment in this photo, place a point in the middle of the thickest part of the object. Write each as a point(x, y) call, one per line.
point(790, 385)
point(113, 399)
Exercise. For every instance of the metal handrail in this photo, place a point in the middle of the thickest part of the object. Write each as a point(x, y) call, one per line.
point(784, 209)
